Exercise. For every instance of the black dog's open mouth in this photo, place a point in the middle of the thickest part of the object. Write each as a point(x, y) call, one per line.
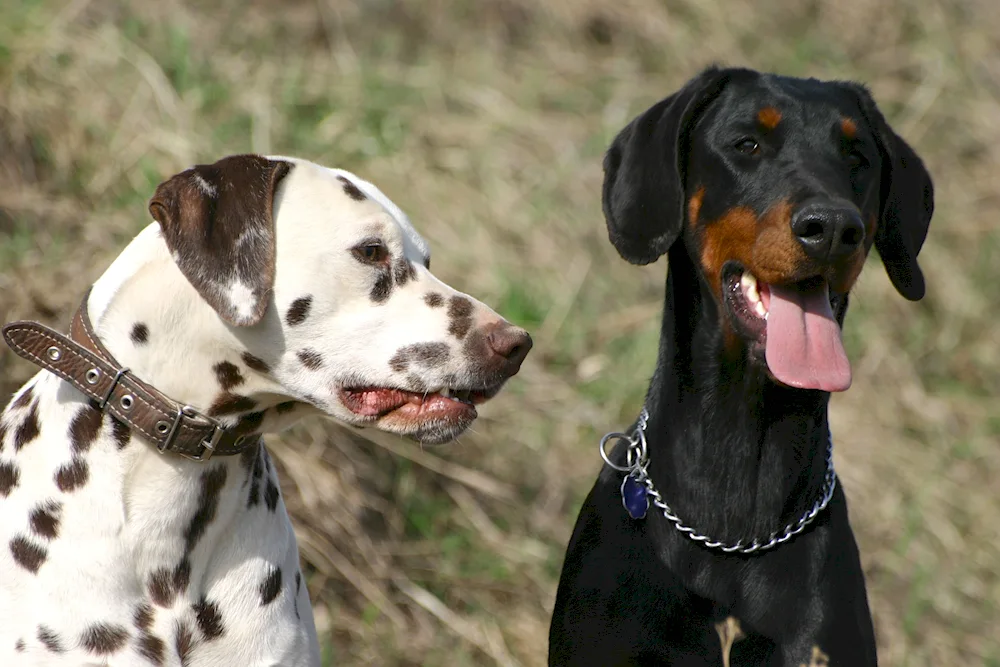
point(747, 302)
point(794, 325)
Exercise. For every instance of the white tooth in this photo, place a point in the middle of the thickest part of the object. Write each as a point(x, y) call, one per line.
point(749, 283)
point(760, 309)
point(446, 392)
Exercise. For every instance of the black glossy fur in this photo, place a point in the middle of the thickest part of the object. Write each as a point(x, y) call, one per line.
point(734, 452)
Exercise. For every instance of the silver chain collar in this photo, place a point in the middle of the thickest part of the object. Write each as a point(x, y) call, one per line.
point(637, 486)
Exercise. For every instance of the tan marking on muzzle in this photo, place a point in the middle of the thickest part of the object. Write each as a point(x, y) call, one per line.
point(765, 246)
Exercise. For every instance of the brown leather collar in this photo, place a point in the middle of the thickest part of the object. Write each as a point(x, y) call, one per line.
point(83, 361)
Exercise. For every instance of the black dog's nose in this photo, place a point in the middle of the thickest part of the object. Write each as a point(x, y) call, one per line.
point(828, 232)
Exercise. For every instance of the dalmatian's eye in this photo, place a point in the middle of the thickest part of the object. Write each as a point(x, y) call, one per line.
point(371, 251)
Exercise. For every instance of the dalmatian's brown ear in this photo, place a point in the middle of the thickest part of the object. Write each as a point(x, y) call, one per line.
point(217, 221)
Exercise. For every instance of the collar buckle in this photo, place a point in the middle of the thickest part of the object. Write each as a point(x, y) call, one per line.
point(207, 445)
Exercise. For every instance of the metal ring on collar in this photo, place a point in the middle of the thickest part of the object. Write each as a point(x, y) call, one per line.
point(616, 436)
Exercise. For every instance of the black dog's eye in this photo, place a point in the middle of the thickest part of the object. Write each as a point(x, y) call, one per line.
point(371, 252)
point(747, 145)
point(857, 159)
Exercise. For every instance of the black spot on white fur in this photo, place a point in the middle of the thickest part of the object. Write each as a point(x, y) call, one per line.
point(140, 334)
point(149, 646)
point(298, 587)
point(50, 639)
point(423, 354)
point(142, 617)
point(27, 554)
point(10, 475)
point(228, 375)
point(460, 312)
point(460, 327)
point(104, 638)
point(160, 587)
point(270, 587)
point(459, 306)
point(83, 429)
point(433, 300)
point(73, 475)
point(44, 519)
point(298, 311)
point(255, 363)
point(248, 456)
point(230, 404)
point(351, 190)
point(271, 495)
point(382, 289)
point(182, 575)
point(209, 618)
point(256, 474)
point(212, 481)
point(120, 432)
point(403, 271)
point(28, 429)
point(183, 641)
point(310, 358)
point(152, 648)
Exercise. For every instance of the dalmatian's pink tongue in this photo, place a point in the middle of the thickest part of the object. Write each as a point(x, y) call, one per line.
point(803, 347)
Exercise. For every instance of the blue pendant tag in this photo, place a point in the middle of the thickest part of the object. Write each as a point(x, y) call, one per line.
point(634, 497)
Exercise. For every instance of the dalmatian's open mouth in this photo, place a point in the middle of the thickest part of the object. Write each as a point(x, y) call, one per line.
point(449, 405)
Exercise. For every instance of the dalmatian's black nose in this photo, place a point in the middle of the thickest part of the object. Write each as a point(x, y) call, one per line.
point(508, 345)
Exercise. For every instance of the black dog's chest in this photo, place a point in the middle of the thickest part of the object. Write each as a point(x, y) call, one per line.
point(704, 587)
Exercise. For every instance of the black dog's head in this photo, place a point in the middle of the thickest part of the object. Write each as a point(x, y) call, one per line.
point(777, 188)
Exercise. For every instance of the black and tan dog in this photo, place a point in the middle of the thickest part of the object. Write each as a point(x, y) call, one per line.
point(766, 193)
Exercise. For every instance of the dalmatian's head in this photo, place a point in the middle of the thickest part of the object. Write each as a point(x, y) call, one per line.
point(328, 287)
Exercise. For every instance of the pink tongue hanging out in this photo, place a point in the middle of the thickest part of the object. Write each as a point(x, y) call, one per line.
point(803, 346)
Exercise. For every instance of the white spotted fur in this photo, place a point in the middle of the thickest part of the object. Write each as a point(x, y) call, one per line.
point(131, 515)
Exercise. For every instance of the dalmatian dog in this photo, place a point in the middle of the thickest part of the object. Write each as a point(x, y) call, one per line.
point(266, 290)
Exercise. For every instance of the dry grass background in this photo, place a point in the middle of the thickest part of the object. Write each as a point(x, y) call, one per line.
point(486, 121)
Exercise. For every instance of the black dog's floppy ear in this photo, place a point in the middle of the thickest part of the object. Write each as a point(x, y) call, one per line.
point(643, 194)
point(218, 222)
point(906, 207)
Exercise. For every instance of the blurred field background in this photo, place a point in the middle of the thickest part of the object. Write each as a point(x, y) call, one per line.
point(486, 122)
